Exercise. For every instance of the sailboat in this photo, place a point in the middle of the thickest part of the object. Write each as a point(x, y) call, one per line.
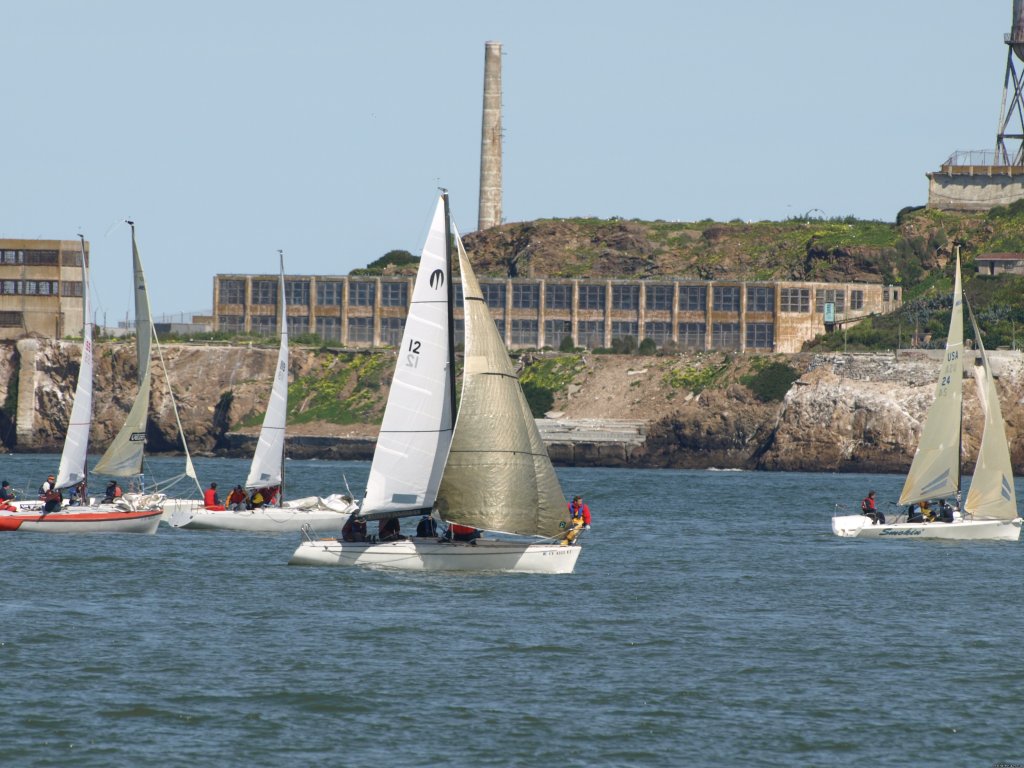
point(129, 514)
point(486, 468)
point(267, 471)
point(990, 510)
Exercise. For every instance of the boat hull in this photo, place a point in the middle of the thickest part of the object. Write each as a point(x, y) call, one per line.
point(861, 527)
point(82, 520)
point(422, 554)
point(194, 516)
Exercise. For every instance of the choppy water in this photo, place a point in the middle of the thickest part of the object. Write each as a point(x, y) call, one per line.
point(712, 620)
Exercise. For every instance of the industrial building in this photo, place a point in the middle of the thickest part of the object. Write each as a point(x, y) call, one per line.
point(361, 311)
point(40, 288)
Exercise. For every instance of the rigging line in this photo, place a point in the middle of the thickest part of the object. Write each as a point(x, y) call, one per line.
point(174, 406)
point(498, 450)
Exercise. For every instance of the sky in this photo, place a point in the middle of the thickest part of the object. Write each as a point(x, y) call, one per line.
point(229, 129)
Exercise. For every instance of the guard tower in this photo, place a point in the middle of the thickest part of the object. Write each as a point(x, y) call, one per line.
point(490, 140)
point(980, 180)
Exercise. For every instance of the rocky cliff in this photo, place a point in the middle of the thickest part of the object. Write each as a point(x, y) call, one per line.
point(843, 413)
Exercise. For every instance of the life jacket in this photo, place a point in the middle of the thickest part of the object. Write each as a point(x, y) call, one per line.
point(462, 530)
point(210, 497)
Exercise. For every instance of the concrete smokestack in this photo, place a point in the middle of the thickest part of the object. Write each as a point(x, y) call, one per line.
point(490, 140)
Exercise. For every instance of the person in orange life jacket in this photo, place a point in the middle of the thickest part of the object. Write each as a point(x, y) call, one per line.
point(46, 487)
point(113, 492)
point(210, 498)
point(270, 495)
point(867, 507)
point(354, 528)
point(236, 499)
point(579, 512)
point(389, 530)
point(458, 532)
point(52, 500)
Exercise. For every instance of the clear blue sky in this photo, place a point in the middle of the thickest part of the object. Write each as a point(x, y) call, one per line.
point(229, 129)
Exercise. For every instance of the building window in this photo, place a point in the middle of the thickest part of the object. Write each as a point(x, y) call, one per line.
point(625, 297)
point(691, 335)
point(795, 300)
point(298, 325)
point(725, 336)
point(558, 296)
point(555, 331)
point(761, 336)
point(500, 325)
point(524, 333)
point(623, 329)
point(11, 319)
point(391, 329)
point(725, 298)
point(659, 333)
point(592, 296)
point(361, 294)
point(760, 298)
point(329, 328)
point(71, 288)
point(494, 295)
point(264, 292)
point(30, 287)
point(590, 333)
point(525, 296)
point(328, 294)
point(13, 257)
point(39, 258)
point(659, 296)
point(232, 291)
point(693, 298)
point(360, 329)
point(457, 298)
point(856, 300)
point(72, 259)
point(296, 293)
point(231, 323)
point(823, 296)
point(394, 295)
point(264, 325)
point(11, 287)
point(460, 333)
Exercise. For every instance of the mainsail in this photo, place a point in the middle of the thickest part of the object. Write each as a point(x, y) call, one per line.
point(124, 456)
point(498, 476)
point(992, 495)
point(268, 459)
point(76, 441)
point(935, 470)
point(416, 430)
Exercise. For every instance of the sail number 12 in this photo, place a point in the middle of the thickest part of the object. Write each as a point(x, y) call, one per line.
point(412, 360)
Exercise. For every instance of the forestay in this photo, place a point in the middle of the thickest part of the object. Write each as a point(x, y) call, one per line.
point(498, 476)
point(267, 460)
point(935, 470)
point(416, 430)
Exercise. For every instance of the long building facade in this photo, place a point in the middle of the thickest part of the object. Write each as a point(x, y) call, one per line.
point(361, 311)
point(40, 288)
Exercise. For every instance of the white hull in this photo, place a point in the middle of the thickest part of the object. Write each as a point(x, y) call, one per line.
point(860, 526)
point(82, 520)
point(194, 516)
point(423, 554)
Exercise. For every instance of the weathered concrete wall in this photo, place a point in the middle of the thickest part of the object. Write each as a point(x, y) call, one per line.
point(973, 189)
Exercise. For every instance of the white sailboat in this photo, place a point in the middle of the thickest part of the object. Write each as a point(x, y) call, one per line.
point(267, 471)
point(129, 515)
point(489, 471)
point(990, 510)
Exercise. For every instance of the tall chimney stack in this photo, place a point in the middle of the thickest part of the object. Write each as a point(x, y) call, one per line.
point(490, 140)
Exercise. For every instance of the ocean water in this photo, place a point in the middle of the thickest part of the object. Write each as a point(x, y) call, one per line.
point(713, 620)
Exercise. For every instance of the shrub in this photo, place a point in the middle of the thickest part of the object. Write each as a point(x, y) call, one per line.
point(772, 382)
point(648, 347)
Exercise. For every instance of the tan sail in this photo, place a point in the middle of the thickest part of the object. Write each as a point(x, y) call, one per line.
point(992, 495)
point(935, 470)
point(498, 475)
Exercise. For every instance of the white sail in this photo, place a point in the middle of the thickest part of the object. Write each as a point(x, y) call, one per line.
point(268, 459)
point(498, 475)
point(124, 456)
point(76, 441)
point(935, 470)
point(416, 430)
point(992, 495)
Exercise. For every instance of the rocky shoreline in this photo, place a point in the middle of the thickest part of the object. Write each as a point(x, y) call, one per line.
point(845, 412)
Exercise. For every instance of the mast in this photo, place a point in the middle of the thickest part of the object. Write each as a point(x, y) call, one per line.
point(284, 333)
point(451, 301)
point(86, 327)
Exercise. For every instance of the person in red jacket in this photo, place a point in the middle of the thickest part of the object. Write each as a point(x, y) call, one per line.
point(210, 498)
point(579, 512)
point(867, 507)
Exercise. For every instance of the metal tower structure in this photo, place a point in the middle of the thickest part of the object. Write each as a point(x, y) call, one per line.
point(1011, 116)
